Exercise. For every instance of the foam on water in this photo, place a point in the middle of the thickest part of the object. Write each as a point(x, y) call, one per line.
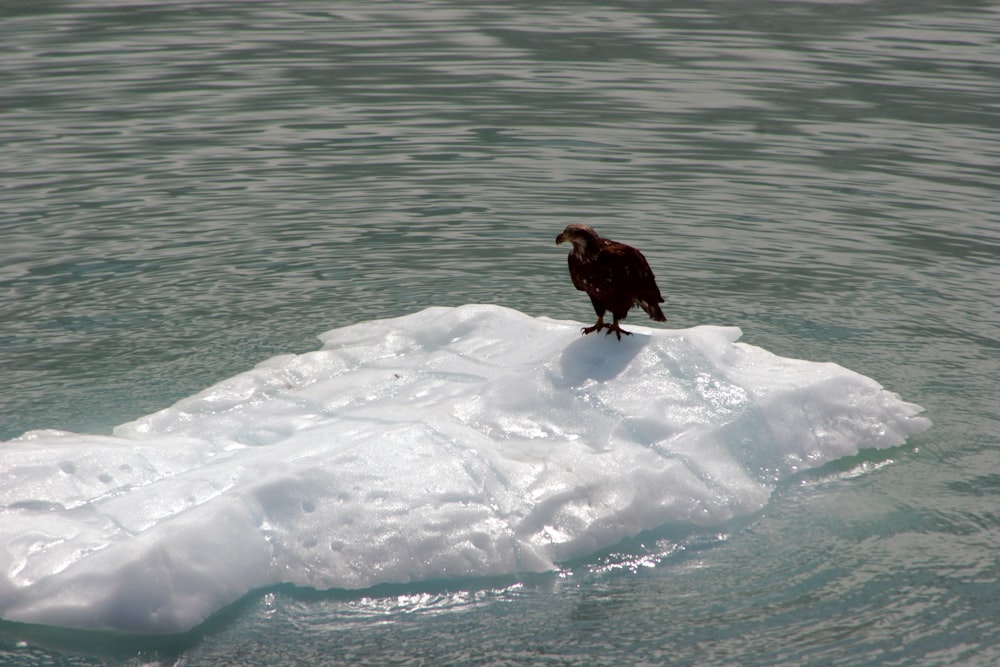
point(454, 442)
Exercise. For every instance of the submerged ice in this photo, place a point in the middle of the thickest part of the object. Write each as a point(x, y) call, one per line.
point(453, 442)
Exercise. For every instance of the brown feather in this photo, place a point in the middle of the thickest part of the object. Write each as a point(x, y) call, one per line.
point(616, 276)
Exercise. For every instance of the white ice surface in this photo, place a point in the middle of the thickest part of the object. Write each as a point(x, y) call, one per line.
point(454, 442)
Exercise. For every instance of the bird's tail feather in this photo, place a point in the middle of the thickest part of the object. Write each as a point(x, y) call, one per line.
point(653, 310)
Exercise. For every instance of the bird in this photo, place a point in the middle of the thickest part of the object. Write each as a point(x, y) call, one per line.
point(614, 275)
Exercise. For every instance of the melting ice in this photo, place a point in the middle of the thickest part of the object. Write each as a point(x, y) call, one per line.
point(454, 442)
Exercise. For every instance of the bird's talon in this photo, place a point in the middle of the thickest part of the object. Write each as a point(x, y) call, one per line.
point(618, 331)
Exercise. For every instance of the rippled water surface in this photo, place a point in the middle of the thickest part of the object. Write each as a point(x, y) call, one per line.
point(189, 188)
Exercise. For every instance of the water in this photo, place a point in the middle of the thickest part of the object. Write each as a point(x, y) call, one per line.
point(190, 188)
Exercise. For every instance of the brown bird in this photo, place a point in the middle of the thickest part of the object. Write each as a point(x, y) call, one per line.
point(615, 276)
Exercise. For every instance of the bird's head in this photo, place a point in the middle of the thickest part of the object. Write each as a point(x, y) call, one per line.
point(583, 237)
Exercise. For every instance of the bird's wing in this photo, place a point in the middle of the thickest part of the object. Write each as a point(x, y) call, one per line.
point(626, 264)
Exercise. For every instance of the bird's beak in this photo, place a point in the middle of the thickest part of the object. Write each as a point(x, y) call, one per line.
point(560, 238)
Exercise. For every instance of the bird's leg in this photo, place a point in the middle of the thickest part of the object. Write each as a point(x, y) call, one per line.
point(617, 329)
point(600, 310)
point(598, 325)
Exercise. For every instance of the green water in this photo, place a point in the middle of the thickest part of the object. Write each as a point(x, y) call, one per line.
point(189, 188)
